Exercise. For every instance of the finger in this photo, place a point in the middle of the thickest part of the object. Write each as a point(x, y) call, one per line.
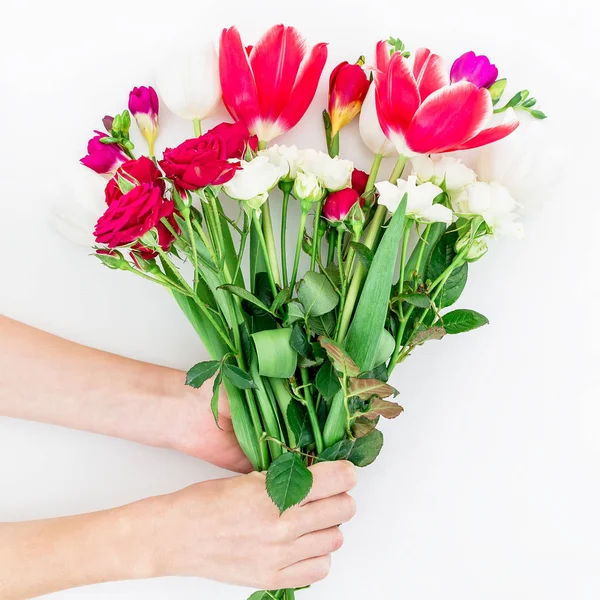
point(324, 514)
point(318, 543)
point(330, 479)
point(305, 572)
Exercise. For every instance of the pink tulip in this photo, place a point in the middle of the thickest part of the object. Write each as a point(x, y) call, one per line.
point(421, 112)
point(105, 159)
point(270, 88)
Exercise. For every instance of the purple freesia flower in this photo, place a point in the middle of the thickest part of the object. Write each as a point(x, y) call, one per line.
point(476, 69)
point(105, 159)
point(143, 105)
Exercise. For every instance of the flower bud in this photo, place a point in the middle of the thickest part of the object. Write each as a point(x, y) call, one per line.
point(476, 69)
point(307, 188)
point(359, 181)
point(338, 204)
point(111, 258)
point(104, 158)
point(477, 247)
point(143, 104)
point(348, 86)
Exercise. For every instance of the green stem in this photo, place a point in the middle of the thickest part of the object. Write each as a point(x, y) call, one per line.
point(188, 222)
point(284, 214)
point(373, 175)
point(425, 239)
point(262, 145)
point(398, 168)
point(258, 429)
point(301, 228)
point(405, 238)
point(316, 246)
point(342, 277)
point(351, 254)
point(312, 413)
point(243, 239)
point(331, 241)
point(263, 245)
point(197, 127)
point(267, 226)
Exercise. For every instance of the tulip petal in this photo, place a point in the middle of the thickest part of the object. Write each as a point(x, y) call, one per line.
point(448, 118)
point(382, 56)
point(304, 88)
point(240, 95)
point(275, 60)
point(489, 135)
point(429, 72)
point(397, 96)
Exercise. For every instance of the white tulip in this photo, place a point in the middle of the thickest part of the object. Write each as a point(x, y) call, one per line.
point(495, 204)
point(443, 170)
point(419, 202)
point(370, 130)
point(251, 184)
point(285, 158)
point(334, 174)
point(188, 80)
point(307, 187)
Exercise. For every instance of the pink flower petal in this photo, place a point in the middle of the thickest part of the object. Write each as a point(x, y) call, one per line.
point(240, 95)
point(382, 56)
point(397, 96)
point(275, 60)
point(448, 118)
point(304, 88)
point(429, 72)
point(489, 135)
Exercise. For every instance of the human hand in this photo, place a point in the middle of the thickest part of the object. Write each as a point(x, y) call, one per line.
point(229, 530)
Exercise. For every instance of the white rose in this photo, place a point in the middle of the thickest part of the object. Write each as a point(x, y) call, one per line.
point(252, 183)
point(285, 158)
point(443, 170)
point(307, 187)
point(333, 173)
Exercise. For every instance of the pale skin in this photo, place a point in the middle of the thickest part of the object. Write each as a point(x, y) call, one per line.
point(227, 529)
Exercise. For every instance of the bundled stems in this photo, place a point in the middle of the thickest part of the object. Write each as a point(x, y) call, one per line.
point(312, 413)
point(284, 214)
point(263, 245)
point(316, 245)
point(302, 226)
point(267, 230)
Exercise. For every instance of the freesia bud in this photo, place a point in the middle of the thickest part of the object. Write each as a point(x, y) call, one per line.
point(337, 205)
point(348, 86)
point(307, 188)
point(143, 105)
point(188, 81)
point(105, 159)
point(476, 69)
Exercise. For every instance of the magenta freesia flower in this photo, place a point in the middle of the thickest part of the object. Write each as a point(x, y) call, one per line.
point(143, 105)
point(105, 159)
point(476, 69)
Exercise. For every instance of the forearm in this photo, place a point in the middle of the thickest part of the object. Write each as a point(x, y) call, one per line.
point(41, 557)
point(48, 379)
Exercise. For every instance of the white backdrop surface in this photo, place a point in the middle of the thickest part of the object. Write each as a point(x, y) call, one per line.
point(489, 484)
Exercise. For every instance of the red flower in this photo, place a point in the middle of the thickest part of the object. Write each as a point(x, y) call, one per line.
point(141, 170)
point(165, 239)
point(359, 182)
point(131, 215)
point(105, 159)
point(338, 204)
point(348, 86)
point(203, 161)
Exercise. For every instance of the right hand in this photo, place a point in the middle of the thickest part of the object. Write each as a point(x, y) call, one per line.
point(229, 530)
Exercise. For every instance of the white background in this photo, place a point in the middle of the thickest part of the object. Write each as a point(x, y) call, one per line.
point(488, 486)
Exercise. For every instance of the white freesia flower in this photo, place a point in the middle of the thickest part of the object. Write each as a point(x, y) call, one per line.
point(333, 173)
point(370, 130)
point(285, 158)
point(308, 187)
point(252, 183)
point(419, 203)
point(440, 169)
point(188, 80)
point(495, 204)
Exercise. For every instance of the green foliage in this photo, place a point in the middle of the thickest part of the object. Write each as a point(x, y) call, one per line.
point(361, 452)
point(248, 297)
point(383, 408)
point(397, 45)
point(316, 294)
point(367, 388)
point(288, 481)
point(323, 324)
point(364, 254)
point(200, 372)
point(214, 401)
point(340, 359)
point(327, 381)
point(459, 321)
point(299, 422)
point(238, 377)
point(276, 357)
point(522, 101)
point(496, 90)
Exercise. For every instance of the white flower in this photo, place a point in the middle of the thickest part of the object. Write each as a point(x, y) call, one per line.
point(333, 173)
point(495, 204)
point(419, 203)
point(478, 247)
point(443, 170)
point(188, 80)
point(370, 130)
point(252, 183)
point(308, 187)
point(285, 158)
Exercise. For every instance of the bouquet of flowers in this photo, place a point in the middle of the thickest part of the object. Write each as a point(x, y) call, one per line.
point(306, 356)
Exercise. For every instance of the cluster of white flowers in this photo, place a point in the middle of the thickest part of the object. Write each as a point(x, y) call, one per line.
point(313, 173)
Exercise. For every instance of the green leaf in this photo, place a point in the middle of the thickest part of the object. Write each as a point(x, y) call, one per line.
point(276, 357)
point(263, 595)
point(371, 312)
point(367, 388)
point(323, 324)
point(418, 300)
point(295, 312)
point(200, 372)
point(436, 230)
point(385, 347)
point(299, 422)
point(454, 286)
point(340, 359)
point(238, 377)
point(363, 426)
point(124, 184)
point(379, 372)
point(383, 408)
point(424, 335)
point(364, 254)
point(280, 299)
point(316, 294)
point(288, 481)
point(361, 452)
point(459, 321)
point(299, 342)
point(245, 295)
point(214, 401)
point(327, 381)
point(442, 255)
point(496, 90)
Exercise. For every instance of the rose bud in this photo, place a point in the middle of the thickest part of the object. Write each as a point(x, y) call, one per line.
point(359, 181)
point(143, 105)
point(348, 86)
point(105, 159)
point(337, 205)
point(475, 69)
point(134, 172)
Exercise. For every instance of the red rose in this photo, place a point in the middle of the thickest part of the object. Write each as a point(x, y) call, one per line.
point(338, 204)
point(131, 215)
point(142, 170)
point(165, 239)
point(203, 161)
point(359, 182)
